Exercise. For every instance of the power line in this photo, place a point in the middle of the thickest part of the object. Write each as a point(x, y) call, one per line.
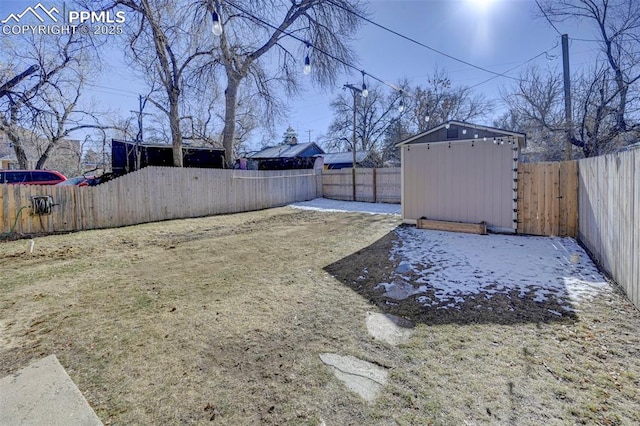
point(586, 39)
point(111, 88)
point(364, 18)
point(516, 67)
point(547, 18)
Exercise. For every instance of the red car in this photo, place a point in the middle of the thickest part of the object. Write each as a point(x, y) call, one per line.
point(31, 177)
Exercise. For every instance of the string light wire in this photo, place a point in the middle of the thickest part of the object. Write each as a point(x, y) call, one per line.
point(380, 80)
point(295, 37)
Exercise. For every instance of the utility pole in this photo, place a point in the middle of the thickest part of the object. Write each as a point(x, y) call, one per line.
point(353, 146)
point(363, 92)
point(567, 97)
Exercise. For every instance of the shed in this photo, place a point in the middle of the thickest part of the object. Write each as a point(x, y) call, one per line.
point(462, 172)
point(343, 160)
point(286, 156)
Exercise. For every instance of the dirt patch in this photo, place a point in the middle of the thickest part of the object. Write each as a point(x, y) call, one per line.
point(222, 320)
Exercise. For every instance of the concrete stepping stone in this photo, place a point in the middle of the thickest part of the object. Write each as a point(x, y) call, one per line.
point(389, 328)
point(43, 394)
point(362, 377)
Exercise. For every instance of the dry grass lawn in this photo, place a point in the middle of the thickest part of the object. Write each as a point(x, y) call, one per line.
point(221, 320)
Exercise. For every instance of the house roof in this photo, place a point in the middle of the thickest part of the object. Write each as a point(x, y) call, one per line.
point(343, 157)
point(481, 130)
point(285, 151)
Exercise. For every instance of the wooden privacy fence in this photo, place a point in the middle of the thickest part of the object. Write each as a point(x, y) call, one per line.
point(372, 185)
point(548, 198)
point(154, 194)
point(609, 216)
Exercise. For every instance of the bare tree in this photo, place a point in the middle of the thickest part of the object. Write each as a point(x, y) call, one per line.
point(374, 114)
point(608, 96)
point(170, 43)
point(36, 102)
point(380, 125)
point(256, 44)
point(441, 101)
point(536, 107)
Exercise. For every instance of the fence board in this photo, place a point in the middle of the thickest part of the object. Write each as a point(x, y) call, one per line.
point(609, 223)
point(372, 185)
point(153, 194)
point(548, 198)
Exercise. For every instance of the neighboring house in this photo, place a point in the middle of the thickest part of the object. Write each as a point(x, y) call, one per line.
point(7, 156)
point(8, 162)
point(65, 157)
point(286, 156)
point(343, 160)
point(462, 172)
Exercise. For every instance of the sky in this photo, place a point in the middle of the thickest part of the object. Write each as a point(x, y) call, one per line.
point(493, 34)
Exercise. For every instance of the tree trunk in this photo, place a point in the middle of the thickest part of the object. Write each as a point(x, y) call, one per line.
point(45, 155)
point(176, 134)
point(10, 130)
point(229, 131)
point(21, 155)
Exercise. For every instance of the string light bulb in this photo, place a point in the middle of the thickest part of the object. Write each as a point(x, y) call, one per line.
point(364, 92)
point(307, 65)
point(401, 106)
point(446, 126)
point(216, 29)
point(427, 117)
point(464, 131)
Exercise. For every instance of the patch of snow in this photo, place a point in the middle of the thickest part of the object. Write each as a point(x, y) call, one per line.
point(326, 205)
point(444, 268)
point(403, 267)
point(400, 290)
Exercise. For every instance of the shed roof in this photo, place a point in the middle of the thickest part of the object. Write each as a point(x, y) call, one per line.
point(439, 133)
point(285, 151)
point(343, 157)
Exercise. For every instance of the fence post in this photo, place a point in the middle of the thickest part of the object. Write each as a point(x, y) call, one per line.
point(375, 186)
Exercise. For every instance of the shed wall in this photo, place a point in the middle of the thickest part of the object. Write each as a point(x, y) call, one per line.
point(459, 182)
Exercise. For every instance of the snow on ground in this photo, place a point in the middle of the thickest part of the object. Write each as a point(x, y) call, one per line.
point(324, 204)
point(444, 268)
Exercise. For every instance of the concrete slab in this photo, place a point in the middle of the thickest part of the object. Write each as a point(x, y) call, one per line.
point(362, 377)
point(389, 328)
point(43, 394)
